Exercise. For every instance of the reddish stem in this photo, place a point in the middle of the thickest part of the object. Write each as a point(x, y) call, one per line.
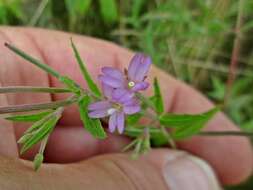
point(235, 54)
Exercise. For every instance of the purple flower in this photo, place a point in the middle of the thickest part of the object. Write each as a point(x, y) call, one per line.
point(118, 103)
point(133, 79)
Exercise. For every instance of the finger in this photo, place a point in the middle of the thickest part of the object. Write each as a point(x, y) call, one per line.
point(160, 169)
point(8, 146)
point(71, 144)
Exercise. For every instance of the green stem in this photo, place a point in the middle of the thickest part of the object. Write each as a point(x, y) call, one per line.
point(25, 89)
point(169, 137)
point(145, 100)
point(43, 145)
point(33, 60)
point(42, 106)
point(225, 133)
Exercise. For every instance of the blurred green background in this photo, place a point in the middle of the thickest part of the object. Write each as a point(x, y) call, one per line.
point(190, 39)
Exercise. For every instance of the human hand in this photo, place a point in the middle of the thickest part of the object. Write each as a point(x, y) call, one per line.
point(230, 157)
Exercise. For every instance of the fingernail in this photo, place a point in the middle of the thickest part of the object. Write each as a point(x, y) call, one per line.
point(184, 171)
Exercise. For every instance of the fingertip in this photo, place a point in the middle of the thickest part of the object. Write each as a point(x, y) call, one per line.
point(231, 157)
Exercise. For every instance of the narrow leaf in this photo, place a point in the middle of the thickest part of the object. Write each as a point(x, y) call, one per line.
point(33, 60)
point(91, 84)
point(157, 99)
point(24, 138)
point(187, 125)
point(38, 160)
point(91, 125)
point(45, 129)
point(29, 117)
point(71, 84)
point(35, 126)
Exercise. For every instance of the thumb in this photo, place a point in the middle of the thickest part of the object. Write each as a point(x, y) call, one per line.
point(160, 169)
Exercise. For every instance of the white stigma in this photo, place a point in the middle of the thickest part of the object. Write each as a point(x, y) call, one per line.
point(131, 84)
point(111, 111)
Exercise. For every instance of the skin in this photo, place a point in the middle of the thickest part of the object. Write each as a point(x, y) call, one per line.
point(230, 157)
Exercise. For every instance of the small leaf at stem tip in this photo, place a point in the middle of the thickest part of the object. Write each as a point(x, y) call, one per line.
point(24, 138)
point(137, 150)
point(29, 117)
point(35, 126)
point(157, 99)
point(91, 84)
point(42, 132)
point(38, 160)
point(187, 125)
point(91, 125)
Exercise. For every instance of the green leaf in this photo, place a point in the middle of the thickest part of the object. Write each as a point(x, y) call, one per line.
point(187, 125)
point(42, 132)
point(71, 84)
point(24, 138)
point(158, 139)
point(108, 10)
point(33, 60)
point(134, 118)
point(29, 117)
point(91, 125)
point(157, 99)
point(38, 160)
point(91, 84)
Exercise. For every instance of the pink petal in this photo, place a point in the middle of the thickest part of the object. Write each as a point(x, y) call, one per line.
point(112, 122)
point(132, 109)
point(101, 105)
point(120, 122)
point(143, 68)
point(133, 66)
point(107, 90)
point(98, 114)
point(122, 95)
point(131, 102)
point(113, 82)
point(115, 73)
point(140, 86)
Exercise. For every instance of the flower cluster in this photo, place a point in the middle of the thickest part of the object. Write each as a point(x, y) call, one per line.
point(119, 90)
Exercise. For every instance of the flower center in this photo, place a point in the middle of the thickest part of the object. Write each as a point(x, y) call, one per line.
point(131, 84)
point(115, 107)
point(111, 111)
